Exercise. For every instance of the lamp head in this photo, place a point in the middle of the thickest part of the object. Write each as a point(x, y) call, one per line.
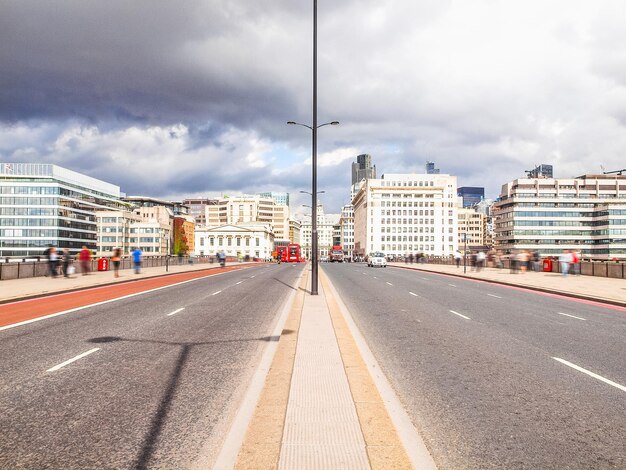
point(291, 122)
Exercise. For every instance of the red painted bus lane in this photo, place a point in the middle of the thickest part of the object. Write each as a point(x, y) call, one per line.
point(24, 310)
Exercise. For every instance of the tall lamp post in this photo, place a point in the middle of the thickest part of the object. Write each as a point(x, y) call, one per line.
point(464, 235)
point(314, 192)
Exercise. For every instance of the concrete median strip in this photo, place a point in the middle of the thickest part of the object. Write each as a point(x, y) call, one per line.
point(262, 444)
point(383, 444)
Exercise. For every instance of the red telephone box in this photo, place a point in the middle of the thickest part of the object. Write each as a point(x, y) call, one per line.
point(103, 264)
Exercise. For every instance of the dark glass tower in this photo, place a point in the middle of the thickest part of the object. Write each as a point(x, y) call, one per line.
point(363, 168)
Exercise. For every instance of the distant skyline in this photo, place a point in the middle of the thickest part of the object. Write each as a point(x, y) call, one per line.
point(176, 102)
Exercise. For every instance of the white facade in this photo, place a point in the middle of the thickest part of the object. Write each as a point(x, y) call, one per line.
point(586, 214)
point(401, 214)
point(247, 209)
point(254, 240)
point(325, 227)
point(43, 204)
point(347, 229)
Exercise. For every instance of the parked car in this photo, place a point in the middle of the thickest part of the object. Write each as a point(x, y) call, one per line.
point(377, 259)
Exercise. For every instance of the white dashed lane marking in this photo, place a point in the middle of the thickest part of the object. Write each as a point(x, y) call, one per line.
point(413, 293)
point(176, 311)
point(572, 316)
point(460, 315)
point(590, 374)
point(215, 293)
point(238, 283)
point(451, 285)
point(493, 295)
point(390, 283)
point(69, 361)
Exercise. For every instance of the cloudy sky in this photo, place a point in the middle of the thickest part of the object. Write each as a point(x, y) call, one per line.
point(174, 99)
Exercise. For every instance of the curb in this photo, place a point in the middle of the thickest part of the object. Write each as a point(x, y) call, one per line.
point(523, 286)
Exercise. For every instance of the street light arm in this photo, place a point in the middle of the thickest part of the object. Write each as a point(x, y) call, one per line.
point(294, 123)
point(332, 123)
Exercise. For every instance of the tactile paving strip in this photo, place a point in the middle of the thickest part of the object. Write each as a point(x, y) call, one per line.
point(322, 429)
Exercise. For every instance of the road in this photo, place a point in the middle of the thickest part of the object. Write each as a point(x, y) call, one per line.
point(151, 380)
point(496, 377)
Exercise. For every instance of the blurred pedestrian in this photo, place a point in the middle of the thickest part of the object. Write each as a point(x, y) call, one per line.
point(47, 253)
point(53, 261)
point(565, 259)
point(67, 262)
point(116, 259)
point(575, 267)
point(480, 260)
point(137, 260)
point(457, 258)
point(84, 257)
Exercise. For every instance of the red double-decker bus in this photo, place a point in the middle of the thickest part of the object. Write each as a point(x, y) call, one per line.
point(293, 253)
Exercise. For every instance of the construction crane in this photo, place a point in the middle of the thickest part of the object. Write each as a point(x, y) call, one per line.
point(616, 172)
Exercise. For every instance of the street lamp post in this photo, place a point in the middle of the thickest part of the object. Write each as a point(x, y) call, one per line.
point(464, 253)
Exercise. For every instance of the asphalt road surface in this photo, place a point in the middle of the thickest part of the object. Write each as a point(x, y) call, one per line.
point(496, 377)
point(151, 381)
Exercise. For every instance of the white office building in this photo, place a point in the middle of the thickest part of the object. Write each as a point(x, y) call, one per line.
point(400, 214)
point(254, 240)
point(549, 215)
point(43, 204)
point(347, 230)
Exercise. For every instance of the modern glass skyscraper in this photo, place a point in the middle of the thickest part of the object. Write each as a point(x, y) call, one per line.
point(471, 195)
point(363, 168)
point(43, 204)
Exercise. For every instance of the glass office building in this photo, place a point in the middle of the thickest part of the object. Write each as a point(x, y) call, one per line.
point(43, 204)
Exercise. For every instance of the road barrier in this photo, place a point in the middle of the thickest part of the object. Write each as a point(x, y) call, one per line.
point(39, 268)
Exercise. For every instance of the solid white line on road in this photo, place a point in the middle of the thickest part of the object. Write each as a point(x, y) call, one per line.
point(413, 293)
point(451, 285)
point(591, 374)
point(572, 316)
point(238, 283)
point(69, 361)
point(460, 315)
point(176, 311)
point(215, 293)
point(390, 283)
point(83, 307)
point(493, 295)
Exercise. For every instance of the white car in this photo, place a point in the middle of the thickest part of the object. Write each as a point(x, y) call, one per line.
point(377, 259)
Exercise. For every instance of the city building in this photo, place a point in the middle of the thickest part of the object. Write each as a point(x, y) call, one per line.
point(363, 168)
point(540, 171)
point(325, 228)
point(347, 230)
point(247, 239)
point(471, 225)
point(280, 199)
point(114, 231)
point(43, 204)
point(587, 214)
point(245, 209)
point(197, 208)
point(295, 227)
point(183, 236)
point(471, 195)
point(401, 214)
point(430, 169)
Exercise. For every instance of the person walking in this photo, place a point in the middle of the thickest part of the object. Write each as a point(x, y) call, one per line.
point(53, 261)
point(565, 259)
point(116, 259)
point(85, 260)
point(67, 261)
point(457, 258)
point(47, 253)
point(575, 267)
point(137, 260)
point(480, 261)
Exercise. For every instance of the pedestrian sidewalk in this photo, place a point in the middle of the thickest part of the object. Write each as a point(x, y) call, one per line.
point(587, 287)
point(36, 286)
point(320, 407)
